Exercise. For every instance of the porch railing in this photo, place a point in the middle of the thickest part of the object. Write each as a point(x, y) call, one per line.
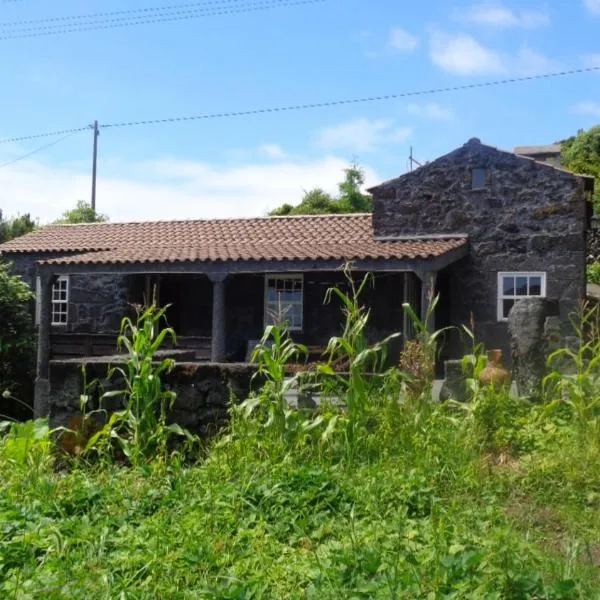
point(76, 345)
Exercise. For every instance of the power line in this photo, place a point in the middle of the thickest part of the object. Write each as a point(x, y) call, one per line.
point(114, 13)
point(159, 18)
point(161, 14)
point(36, 136)
point(296, 107)
point(308, 106)
point(40, 149)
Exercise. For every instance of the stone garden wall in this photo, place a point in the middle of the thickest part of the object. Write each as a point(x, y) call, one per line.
point(204, 391)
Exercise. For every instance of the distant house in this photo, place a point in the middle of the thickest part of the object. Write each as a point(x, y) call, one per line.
point(479, 226)
point(549, 153)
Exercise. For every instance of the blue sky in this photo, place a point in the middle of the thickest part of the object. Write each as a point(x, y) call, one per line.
point(288, 55)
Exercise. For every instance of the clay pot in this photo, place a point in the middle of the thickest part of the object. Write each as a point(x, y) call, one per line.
point(494, 373)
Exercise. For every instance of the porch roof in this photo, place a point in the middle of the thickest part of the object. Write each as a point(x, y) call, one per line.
point(225, 242)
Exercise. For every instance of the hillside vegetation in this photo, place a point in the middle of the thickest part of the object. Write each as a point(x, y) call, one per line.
point(391, 496)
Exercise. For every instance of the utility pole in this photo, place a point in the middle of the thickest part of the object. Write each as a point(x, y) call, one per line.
point(413, 160)
point(95, 164)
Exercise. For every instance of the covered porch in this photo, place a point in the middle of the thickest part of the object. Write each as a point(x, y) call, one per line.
point(219, 309)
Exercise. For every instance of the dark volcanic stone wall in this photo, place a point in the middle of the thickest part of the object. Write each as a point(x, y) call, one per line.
point(204, 392)
point(528, 217)
point(96, 302)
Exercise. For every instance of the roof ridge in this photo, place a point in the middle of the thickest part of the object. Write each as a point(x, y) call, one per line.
point(476, 141)
point(211, 220)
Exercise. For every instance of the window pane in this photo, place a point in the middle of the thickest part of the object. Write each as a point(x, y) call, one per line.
point(283, 302)
point(521, 289)
point(508, 286)
point(535, 286)
point(506, 306)
point(478, 178)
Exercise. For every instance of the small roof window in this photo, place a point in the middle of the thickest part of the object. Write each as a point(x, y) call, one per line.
point(479, 178)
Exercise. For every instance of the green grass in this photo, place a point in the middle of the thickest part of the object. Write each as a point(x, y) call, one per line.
point(419, 509)
point(395, 497)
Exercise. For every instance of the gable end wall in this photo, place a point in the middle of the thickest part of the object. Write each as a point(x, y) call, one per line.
point(529, 217)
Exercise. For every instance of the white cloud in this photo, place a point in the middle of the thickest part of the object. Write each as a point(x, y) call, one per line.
point(593, 6)
point(362, 135)
point(168, 188)
point(273, 151)
point(493, 14)
point(587, 108)
point(461, 54)
point(530, 62)
point(430, 110)
point(592, 60)
point(402, 41)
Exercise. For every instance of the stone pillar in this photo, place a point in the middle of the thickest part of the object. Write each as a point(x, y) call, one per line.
point(528, 327)
point(218, 317)
point(41, 400)
point(408, 331)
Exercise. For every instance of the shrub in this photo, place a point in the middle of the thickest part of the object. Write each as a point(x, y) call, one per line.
point(593, 273)
point(17, 344)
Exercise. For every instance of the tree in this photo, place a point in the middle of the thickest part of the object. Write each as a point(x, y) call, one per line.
point(350, 199)
point(82, 213)
point(581, 154)
point(15, 227)
point(17, 343)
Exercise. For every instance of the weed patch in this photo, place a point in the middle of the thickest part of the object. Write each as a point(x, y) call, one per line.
point(384, 494)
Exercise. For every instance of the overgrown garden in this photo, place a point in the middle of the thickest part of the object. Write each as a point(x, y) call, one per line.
point(379, 492)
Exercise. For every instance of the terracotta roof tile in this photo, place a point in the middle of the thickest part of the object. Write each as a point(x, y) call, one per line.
point(324, 237)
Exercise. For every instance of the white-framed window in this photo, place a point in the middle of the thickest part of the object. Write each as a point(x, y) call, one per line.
point(284, 301)
point(515, 285)
point(60, 301)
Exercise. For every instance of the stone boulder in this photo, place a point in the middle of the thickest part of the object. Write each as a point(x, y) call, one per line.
point(455, 383)
point(529, 324)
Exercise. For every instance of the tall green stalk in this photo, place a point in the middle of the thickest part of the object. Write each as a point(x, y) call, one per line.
point(575, 376)
point(274, 351)
point(141, 429)
point(353, 351)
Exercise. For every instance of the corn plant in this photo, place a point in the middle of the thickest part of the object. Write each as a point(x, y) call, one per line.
point(141, 429)
point(575, 376)
point(274, 351)
point(353, 351)
point(417, 361)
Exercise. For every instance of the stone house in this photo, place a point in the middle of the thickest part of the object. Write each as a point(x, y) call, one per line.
point(479, 226)
point(550, 153)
